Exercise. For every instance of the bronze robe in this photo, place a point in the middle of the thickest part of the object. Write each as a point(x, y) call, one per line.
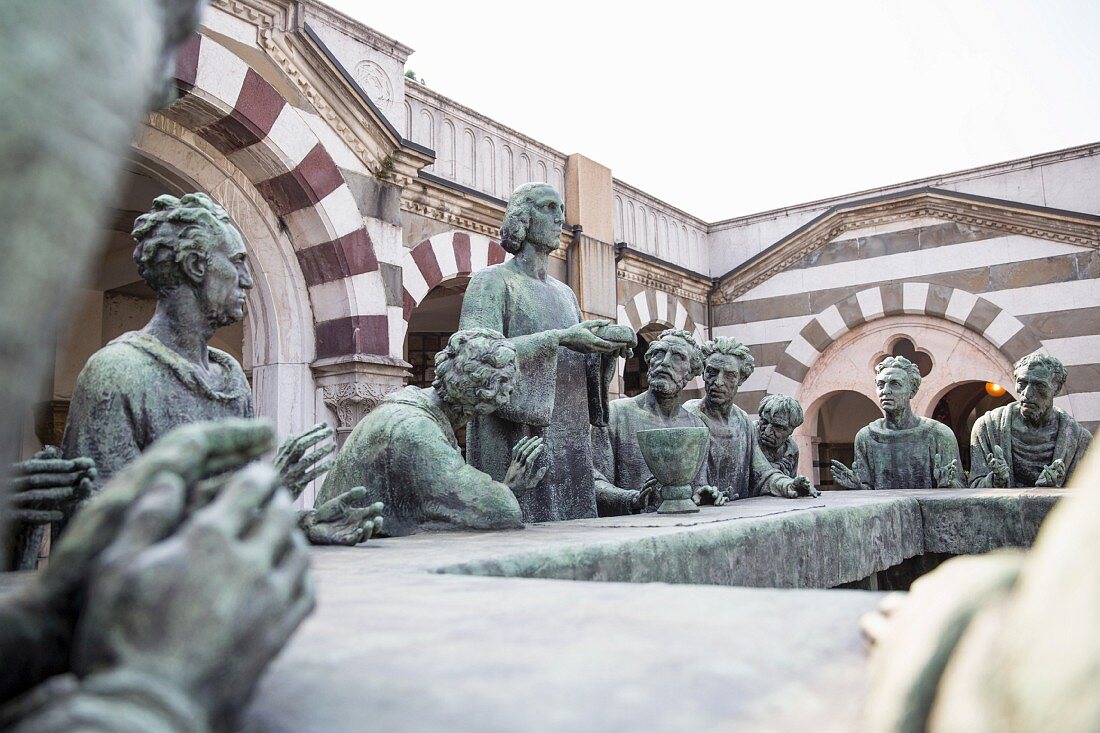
point(558, 393)
point(995, 428)
point(735, 463)
point(405, 453)
point(135, 389)
point(904, 459)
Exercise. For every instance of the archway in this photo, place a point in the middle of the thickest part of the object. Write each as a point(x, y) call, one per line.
point(431, 324)
point(838, 417)
point(955, 355)
point(634, 370)
point(961, 406)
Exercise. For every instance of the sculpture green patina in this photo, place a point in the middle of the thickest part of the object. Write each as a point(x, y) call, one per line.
point(45, 490)
point(181, 533)
point(674, 457)
point(1030, 442)
point(144, 383)
point(405, 452)
point(777, 417)
point(901, 450)
point(565, 364)
point(624, 482)
point(736, 465)
point(227, 582)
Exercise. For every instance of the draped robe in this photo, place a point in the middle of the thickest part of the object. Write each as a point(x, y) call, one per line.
point(405, 454)
point(558, 392)
point(904, 459)
point(995, 428)
point(735, 462)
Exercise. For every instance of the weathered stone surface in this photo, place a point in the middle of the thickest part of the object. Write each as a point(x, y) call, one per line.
point(422, 648)
point(838, 538)
point(971, 524)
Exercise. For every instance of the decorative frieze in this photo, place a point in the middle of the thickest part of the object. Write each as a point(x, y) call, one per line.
point(1005, 216)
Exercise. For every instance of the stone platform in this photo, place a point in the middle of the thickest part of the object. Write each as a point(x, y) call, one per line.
point(410, 635)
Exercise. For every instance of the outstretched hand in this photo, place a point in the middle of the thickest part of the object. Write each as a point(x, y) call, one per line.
point(1052, 476)
point(945, 475)
point(195, 453)
point(709, 495)
point(793, 488)
point(522, 475)
point(339, 521)
point(583, 339)
point(998, 466)
point(226, 586)
point(47, 487)
point(649, 495)
point(296, 466)
point(845, 476)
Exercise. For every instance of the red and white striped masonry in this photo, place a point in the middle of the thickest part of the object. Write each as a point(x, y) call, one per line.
point(442, 257)
point(227, 103)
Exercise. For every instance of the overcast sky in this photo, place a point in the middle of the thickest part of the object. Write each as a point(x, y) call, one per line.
point(734, 108)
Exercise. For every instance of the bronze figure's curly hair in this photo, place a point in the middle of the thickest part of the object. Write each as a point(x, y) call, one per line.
point(900, 362)
point(173, 229)
point(1058, 371)
point(777, 404)
point(696, 353)
point(731, 347)
point(469, 368)
point(518, 216)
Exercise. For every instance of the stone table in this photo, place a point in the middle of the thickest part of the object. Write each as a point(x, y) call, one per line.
point(410, 635)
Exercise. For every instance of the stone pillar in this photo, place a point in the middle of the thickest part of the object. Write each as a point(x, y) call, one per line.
point(353, 385)
point(591, 257)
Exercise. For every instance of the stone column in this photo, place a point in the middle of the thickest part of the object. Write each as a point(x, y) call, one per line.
point(588, 204)
point(351, 386)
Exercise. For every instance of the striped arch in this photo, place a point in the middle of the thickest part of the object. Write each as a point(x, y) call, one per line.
point(440, 258)
point(977, 314)
point(649, 307)
point(227, 103)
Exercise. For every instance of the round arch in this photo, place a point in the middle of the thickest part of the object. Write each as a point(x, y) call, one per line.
point(977, 316)
point(241, 116)
point(445, 256)
point(958, 355)
point(649, 307)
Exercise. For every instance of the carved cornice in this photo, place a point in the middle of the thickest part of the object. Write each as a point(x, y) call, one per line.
point(260, 13)
point(1007, 216)
point(351, 401)
point(653, 274)
point(460, 210)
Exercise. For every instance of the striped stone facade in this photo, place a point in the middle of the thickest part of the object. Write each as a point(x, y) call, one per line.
point(351, 226)
point(1021, 293)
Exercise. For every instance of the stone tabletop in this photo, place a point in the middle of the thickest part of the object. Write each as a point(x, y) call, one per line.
point(409, 634)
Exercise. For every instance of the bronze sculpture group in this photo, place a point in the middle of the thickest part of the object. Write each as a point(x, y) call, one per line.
point(169, 512)
point(159, 468)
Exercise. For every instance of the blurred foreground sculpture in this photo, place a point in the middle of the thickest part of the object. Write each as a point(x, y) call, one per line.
point(1001, 642)
point(735, 463)
point(212, 556)
point(1029, 442)
point(144, 383)
point(44, 490)
point(901, 450)
point(405, 453)
point(565, 365)
point(166, 598)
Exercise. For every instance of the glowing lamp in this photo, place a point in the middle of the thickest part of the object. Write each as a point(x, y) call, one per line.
point(994, 390)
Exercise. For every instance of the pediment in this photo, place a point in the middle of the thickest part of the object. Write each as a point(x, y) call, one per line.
point(1009, 217)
